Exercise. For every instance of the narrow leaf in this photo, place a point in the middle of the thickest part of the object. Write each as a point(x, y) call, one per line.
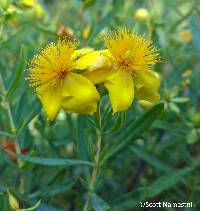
point(18, 73)
point(167, 181)
point(81, 142)
point(2, 189)
point(118, 123)
point(34, 111)
point(129, 200)
point(106, 20)
point(58, 188)
point(134, 131)
point(47, 207)
point(99, 204)
point(52, 161)
point(32, 208)
point(195, 33)
point(4, 44)
point(6, 134)
point(152, 160)
point(170, 127)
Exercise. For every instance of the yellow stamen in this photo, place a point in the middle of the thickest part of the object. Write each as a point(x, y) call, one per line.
point(131, 51)
point(50, 66)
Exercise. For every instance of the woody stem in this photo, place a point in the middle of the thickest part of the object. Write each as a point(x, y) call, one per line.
point(96, 160)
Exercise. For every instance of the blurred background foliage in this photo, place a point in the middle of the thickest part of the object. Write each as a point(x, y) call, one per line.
point(161, 164)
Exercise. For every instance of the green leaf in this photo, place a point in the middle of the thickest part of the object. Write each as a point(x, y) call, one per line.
point(6, 134)
point(195, 33)
point(170, 127)
point(59, 188)
point(52, 161)
point(42, 29)
point(184, 17)
point(133, 198)
point(134, 131)
point(192, 136)
point(106, 20)
point(149, 158)
point(32, 208)
point(18, 73)
point(180, 99)
point(167, 181)
point(56, 189)
point(81, 142)
point(47, 207)
point(36, 106)
point(129, 200)
point(4, 44)
point(174, 107)
point(121, 116)
point(88, 3)
point(98, 203)
point(2, 189)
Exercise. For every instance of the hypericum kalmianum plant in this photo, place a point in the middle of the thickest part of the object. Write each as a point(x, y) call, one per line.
point(65, 78)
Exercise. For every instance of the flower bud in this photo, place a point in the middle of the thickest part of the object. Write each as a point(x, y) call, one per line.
point(186, 83)
point(14, 204)
point(167, 96)
point(145, 104)
point(196, 119)
point(187, 73)
point(65, 31)
point(39, 11)
point(28, 3)
point(86, 32)
point(141, 14)
point(186, 36)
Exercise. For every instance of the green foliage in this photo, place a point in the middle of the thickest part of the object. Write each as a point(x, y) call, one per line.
point(144, 156)
point(99, 204)
point(51, 161)
point(132, 131)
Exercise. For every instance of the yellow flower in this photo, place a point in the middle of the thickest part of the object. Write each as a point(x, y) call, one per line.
point(141, 14)
point(186, 83)
point(145, 104)
point(39, 11)
point(51, 73)
point(28, 3)
point(187, 73)
point(186, 36)
point(86, 32)
point(124, 67)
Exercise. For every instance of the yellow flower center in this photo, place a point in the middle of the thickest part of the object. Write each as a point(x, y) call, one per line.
point(61, 74)
point(49, 68)
point(125, 63)
point(131, 51)
point(58, 78)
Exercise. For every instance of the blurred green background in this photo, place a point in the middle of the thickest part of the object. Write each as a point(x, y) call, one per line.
point(161, 164)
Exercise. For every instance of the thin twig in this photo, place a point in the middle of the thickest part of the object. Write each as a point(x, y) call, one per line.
point(96, 160)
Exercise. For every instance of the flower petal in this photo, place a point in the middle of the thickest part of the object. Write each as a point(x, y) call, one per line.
point(144, 93)
point(148, 79)
point(93, 60)
point(97, 76)
point(79, 95)
point(81, 52)
point(121, 90)
point(50, 99)
point(145, 104)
